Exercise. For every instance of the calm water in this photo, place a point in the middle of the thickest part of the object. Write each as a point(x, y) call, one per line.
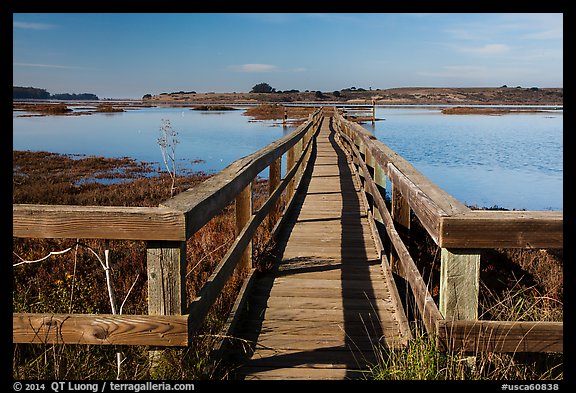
point(513, 161)
point(215, 138)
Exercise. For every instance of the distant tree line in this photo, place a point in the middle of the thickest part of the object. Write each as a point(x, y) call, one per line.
point(41, 94)
point(68, 96)
point(266, 88)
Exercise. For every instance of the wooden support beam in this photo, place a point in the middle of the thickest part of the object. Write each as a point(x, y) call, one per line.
point(380, 181)
point(503, 229)
point(424, 301)
point(97, 222)
point(243, 215)
point(459, 284)
point(500, 336)
point(401, 216)
point(166, 263)
point(204, 201)
point(200, 306)
point(298, 148)
point(290, 157)
point(100, 329)
point(428, 211)
point(274, 178)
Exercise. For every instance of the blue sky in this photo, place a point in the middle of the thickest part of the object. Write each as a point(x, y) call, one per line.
point(127, 55)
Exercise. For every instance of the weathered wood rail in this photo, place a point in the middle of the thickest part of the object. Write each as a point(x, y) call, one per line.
point(171, 320)
point(330, 298)
point(460, 232)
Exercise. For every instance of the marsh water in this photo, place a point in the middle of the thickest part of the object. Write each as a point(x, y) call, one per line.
point(513, 161)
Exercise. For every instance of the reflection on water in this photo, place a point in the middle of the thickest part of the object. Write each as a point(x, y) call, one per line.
point(512, 161)
point(207, 141)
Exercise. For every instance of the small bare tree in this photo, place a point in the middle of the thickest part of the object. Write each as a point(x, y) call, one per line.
point(167, 142)
point(107, 266)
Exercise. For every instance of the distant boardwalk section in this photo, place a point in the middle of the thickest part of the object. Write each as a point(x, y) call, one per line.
point(327, 305)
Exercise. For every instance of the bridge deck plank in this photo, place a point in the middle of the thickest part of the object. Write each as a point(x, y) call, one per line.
point(320, 312)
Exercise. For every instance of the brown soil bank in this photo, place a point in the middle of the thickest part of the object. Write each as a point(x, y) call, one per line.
point(404, 95)
point(43, 109)
point(295, 114)
point(463, 110)
point(47, 109)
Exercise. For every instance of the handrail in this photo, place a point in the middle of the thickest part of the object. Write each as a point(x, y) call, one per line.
point(452, 333)
point(97, 222)
point(424, 301)
point(209, 292)
point(449, 222)
point(199, 204)
point(175, 219)
point(166, 228)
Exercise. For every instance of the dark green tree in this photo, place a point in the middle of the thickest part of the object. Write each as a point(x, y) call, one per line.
point(262, 88)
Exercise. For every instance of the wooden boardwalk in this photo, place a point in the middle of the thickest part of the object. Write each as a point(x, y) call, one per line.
point(330, 300)
point(320, 313)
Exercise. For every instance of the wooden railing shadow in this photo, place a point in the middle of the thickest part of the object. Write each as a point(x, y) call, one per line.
point(238, 348)
point(172, 319)
point(359, 321)
point(459, 232)
point(361, 327)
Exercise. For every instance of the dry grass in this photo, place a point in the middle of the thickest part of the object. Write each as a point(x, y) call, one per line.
point(295, 114)
point(47, 109)
point(515, 284)
point(108, 108)
point(75, 283)
point(467, 110)
point(216, 108)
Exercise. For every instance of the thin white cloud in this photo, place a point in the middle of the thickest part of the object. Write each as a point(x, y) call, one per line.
point(553, 33)
point(255, 67)
point(480, 73)
point(528, 26)
point(540, 26)
point(33, 26)
point(458, 71)
point(487, 50)
point(51, 66)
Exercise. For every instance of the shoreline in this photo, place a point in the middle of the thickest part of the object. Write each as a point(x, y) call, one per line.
point(263, 110)
point(462, 96)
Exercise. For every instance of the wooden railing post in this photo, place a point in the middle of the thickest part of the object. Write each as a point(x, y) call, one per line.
point(273, 181)
point(166, 266)
point(243, 215)
point(401, 216)
point(380, 180)
point(290, 156)
point(459, 283)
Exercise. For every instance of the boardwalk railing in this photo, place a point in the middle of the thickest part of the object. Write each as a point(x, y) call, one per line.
point(460, 232)
point(171, 320)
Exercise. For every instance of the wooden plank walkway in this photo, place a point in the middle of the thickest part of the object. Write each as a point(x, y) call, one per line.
point(321, 311)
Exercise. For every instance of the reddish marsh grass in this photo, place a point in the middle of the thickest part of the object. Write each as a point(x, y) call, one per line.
point(74, 282)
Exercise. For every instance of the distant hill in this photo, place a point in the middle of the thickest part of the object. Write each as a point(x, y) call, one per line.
point(68, 96)
point(19, 92)
point(29, 92)
point(406, 95)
